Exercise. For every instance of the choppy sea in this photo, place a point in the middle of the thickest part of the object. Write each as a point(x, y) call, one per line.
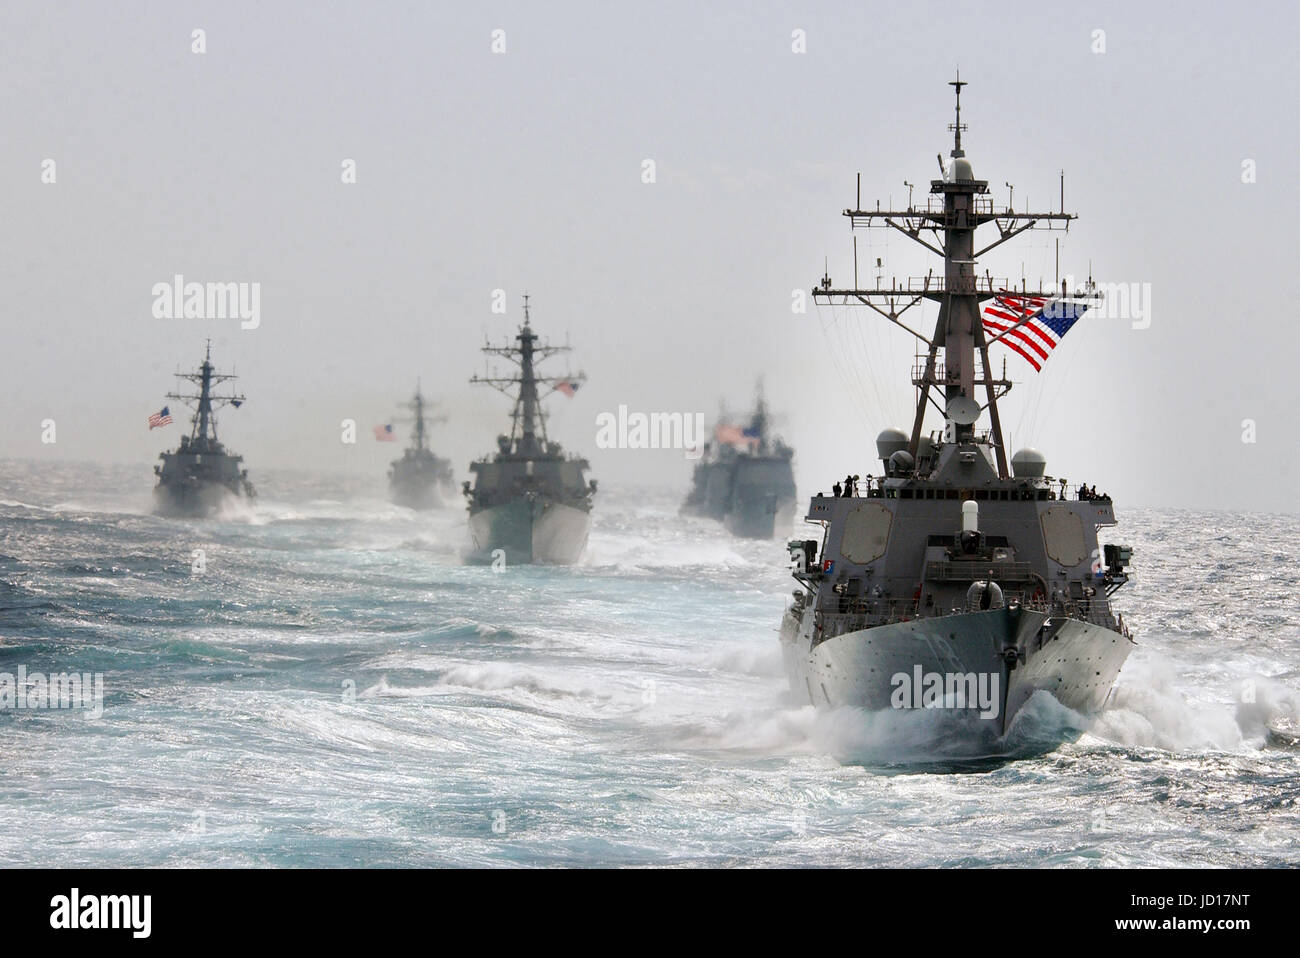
point(317, 680)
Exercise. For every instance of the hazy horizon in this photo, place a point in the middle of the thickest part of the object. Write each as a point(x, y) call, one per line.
point(522, 171)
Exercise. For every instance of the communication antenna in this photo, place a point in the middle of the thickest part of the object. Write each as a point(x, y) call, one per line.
point(947, 228)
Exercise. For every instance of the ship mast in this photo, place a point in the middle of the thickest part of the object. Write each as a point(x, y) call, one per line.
point(946, 226)
point(758, 424)
point(416, 405)
point(526, 405)
point(528, 417)
point(203, 431)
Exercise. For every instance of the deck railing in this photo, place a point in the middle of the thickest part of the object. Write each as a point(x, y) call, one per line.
point(866, 613)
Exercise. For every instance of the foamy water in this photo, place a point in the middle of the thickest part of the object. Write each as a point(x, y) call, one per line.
point(335, 688)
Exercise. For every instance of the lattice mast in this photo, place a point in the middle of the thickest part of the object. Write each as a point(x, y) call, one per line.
point(958, 206)
point(528, 417)
point(203, 425)
point(419, 418)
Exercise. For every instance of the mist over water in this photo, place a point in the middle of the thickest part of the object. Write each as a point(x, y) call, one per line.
point(336, 688)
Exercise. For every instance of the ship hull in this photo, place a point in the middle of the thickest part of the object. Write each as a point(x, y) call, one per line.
point(528, 531)
point(419, 481)
point(416, 495)
point(1076, 662)
point(761, 519)
point(194, 500)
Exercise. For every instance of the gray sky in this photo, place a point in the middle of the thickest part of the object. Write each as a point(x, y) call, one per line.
point(522, 171)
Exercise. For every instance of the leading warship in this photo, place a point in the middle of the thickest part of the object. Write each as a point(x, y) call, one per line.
point(529, 502)
point(745, 479)
point(419, 480)
point(956, 579)
point(200, 476)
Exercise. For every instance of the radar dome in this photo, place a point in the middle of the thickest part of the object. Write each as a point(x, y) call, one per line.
point(889, 442)
point(900, 462)
point(960, 169)
point(1029, 464)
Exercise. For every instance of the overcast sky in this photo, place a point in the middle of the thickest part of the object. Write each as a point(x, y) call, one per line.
point(522, 171)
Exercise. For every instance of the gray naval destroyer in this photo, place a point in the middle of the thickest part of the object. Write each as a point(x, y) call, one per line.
point(955, 576)
point(530, 501)
point(197, 478)
point(745, 479)
point(420, 480)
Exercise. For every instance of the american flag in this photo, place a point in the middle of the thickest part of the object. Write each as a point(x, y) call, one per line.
point(568, 387)
point(733, 435)
point(385, 433)
point(1048, 321)
point(723, 432)
point(161, 418)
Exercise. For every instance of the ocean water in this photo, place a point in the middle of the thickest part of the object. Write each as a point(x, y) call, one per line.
point(331, 687)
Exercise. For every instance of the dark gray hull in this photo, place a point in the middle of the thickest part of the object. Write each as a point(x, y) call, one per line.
point(524, 530)
point(726, 491)
point(766, 518)
point(417, 494)
point(195, 500)
point(420, 480)
point(1076, 662)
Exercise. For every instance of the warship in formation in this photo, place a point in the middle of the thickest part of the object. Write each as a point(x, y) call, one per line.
point(201, 475)
point(529, 501)
point(745, 479)
point(420, 480)
point(955, 575)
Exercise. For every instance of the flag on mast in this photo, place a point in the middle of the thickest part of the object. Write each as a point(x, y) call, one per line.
point(385, 433)
point(1043, 323)
point(162, 417)
point(733, 435)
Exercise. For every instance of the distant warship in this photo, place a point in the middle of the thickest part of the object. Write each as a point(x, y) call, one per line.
point(419, 480)
point(745, 479)
point(200, 475)
point(529, 500)
point(951, 577)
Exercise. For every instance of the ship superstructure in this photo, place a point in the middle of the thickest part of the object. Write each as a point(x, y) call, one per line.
point(198, 477)
point(529, 502)
point(956, 578)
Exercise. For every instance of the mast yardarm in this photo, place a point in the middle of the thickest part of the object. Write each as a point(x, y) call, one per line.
point(203, 431)
point(528, 430)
